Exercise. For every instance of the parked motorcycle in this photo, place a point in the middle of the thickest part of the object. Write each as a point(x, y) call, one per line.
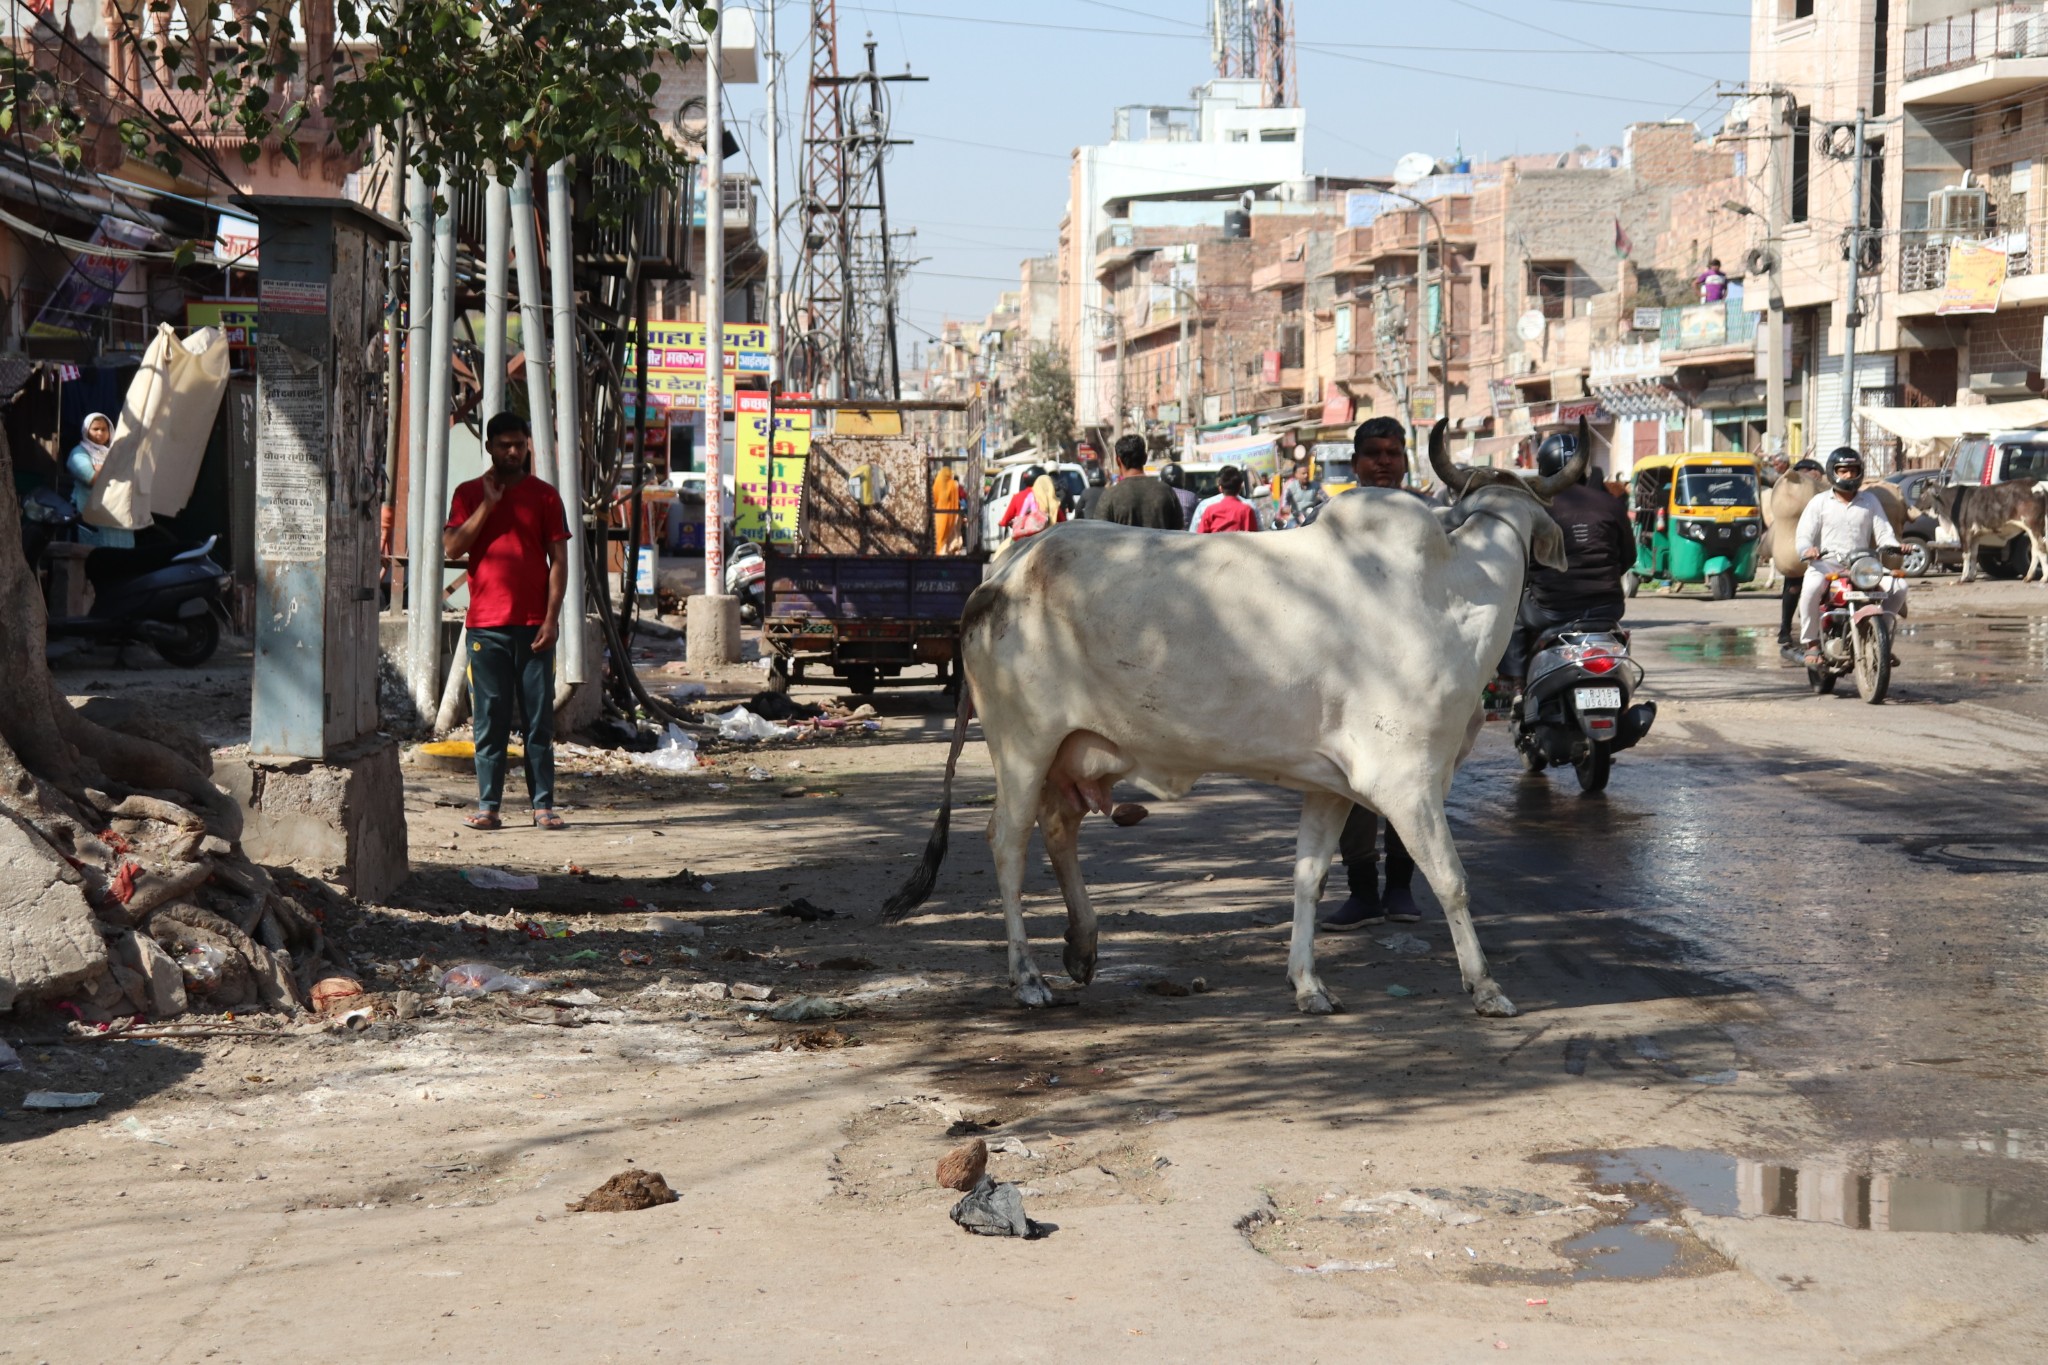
point(1574, 707)
point(170, 598)
point(746, 577)
point(1856, 630)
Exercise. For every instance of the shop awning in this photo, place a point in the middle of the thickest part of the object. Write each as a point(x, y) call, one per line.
point(1946, 424)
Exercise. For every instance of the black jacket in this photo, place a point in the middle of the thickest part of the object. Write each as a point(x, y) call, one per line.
point(1598, 542)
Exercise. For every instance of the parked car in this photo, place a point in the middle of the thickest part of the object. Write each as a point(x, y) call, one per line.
point(1924, 549)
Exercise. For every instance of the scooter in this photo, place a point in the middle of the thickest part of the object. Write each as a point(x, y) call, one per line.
point(1575, 708)
point(1856, 630)
point(170, 599)
point(746, 577)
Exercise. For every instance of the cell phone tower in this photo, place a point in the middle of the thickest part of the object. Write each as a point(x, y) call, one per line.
point(1253, 40)
point(852, 267)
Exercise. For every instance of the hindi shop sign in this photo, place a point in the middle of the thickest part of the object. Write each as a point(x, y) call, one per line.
point(768, 492)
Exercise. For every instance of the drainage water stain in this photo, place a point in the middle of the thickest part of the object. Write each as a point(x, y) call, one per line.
point(1735, 1187)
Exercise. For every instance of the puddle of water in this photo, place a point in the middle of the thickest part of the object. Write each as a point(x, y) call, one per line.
point(1720, 645)
point(1735, 1187)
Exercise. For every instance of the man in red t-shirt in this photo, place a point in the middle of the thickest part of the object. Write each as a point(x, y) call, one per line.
point(511, 526)
point(1229, 512)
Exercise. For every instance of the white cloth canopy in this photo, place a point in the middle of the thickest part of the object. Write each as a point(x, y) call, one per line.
point(1937, 424)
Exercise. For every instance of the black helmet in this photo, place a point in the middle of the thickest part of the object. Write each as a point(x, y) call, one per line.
point(1034, 474)
point(1845, 470)
point(1558, 450)
point(1096, 478)
point(1173, 476)
point(1809, 465)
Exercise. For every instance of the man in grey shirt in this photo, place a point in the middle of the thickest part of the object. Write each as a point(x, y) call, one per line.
point(1137, 499)
point(1301, 498)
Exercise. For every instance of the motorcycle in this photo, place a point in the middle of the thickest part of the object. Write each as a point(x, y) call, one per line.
point(746, 577)
point(1856, 630)
point(1575, 708)
point(169, 598)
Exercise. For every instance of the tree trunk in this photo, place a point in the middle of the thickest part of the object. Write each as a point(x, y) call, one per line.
point(123, 889)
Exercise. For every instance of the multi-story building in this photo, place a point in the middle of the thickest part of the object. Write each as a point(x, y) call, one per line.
point(1228, 138)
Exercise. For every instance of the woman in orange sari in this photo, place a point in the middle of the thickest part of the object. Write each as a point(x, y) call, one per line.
point(946, 512)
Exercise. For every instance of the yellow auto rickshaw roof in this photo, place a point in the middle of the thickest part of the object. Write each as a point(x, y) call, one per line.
point(1692, 457)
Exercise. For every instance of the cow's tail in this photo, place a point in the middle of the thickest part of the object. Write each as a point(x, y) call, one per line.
point(918, 887)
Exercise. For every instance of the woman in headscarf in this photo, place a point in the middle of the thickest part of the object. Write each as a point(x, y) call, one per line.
point(945, 511)
point(84, 464)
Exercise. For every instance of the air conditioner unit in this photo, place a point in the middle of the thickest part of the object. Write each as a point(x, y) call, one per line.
point(1959, 210)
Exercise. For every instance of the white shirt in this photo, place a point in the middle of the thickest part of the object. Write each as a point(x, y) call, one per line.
point(1840, 529)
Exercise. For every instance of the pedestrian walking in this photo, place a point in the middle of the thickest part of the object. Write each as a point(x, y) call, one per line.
point(946, 537)
point(1176, 478)
point(1036, 507)
point(1138, 500)
point(511, 526)
point(1228, 511)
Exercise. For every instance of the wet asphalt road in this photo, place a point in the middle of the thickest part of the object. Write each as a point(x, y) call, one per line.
point(1871, 875)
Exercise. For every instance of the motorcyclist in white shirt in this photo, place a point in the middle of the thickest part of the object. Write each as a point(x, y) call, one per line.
point(1834, 528)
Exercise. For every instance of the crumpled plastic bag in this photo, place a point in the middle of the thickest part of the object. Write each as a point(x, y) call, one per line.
point(806, 1008)
point(740, 723)
point(995, 1208)
point(201, 964)
point(10, 1060)
point(480, 978)
point(498, 879)
point(675, 753)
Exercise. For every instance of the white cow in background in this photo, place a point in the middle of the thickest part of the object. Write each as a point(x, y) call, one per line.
point(1346, 661)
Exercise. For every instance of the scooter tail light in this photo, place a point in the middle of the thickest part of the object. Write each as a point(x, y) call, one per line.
point(1599, 662)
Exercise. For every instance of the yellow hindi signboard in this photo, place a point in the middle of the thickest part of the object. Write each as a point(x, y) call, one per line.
point(768, 492)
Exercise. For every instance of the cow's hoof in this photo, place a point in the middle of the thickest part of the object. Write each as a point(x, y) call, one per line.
point(1080, 965)
point(1034, 994)
point(1317, 1001)
point(1491, 1004)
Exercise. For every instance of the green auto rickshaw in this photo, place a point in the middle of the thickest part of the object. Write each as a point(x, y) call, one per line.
point(1697, 520)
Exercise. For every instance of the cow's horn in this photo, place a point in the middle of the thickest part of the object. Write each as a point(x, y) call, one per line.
point(1454, 478)
point(1572, 473)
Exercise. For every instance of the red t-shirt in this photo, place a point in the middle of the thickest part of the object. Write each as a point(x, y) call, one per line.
point(1229, 514)
point(508, 565)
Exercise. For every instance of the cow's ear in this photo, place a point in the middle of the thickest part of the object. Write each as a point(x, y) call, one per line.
point(1546, 544)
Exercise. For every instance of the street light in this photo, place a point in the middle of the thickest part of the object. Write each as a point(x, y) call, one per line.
point(1443, 256)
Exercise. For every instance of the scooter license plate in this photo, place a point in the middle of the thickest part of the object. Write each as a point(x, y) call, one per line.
point(1598, 698)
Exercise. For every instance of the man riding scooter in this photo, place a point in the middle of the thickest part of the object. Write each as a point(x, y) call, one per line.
point(1834, 528)
point(1599, 546)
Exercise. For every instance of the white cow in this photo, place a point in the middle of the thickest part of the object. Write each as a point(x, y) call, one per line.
point(1345, 660)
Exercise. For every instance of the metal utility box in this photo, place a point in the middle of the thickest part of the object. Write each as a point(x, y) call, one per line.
point(319, 471)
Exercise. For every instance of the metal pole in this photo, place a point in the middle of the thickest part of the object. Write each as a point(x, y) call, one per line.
point(419, 216)
point(1421, 316)
point(714, 314)
point(774, 74)
point(533, 338)
point(425, 626)
point(1774, 336)
point(1853, 318)
point(568, 425)
point(497, 225)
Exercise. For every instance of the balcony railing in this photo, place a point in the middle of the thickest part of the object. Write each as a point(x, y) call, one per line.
point(1708, 326)
point(1923, 256)
point(2013, 29)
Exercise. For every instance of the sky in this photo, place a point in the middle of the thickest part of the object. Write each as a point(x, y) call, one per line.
point(1014, 85)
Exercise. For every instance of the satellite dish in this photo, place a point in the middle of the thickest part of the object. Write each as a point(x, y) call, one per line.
point(1530, 328)
point(1413, 167)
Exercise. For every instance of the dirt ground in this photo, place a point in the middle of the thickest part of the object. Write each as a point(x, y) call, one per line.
point(1798, 935)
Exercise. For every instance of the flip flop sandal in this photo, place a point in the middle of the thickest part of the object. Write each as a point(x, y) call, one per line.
point(547, 819)
point(483, 819)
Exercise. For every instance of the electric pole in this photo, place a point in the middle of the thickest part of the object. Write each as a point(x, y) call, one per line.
point(1853, 318)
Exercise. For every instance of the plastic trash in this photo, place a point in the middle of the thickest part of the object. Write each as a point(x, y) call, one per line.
point(758, 774)
point(672, 925)
point(806, 1008)
point(687, 692)
point(201, 964)
point(1340, 1267)
point(480, 978)
point(133, 1128)
point(10, 1060)
point(675, 753)
point(995, 1208)
point(1404, 943)
point(60, 1099)
point(586, 996)
point(740, 723)
point(497, 879)
point(1399, 992)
